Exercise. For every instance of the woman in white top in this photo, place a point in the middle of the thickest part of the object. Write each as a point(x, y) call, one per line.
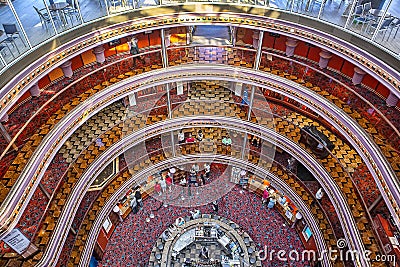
point(319, 194)
point(181, 137)
point(163, 185)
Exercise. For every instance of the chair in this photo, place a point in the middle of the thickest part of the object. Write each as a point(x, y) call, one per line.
point(115, 3)
point(72, 11)
point(384, 27)
point(394, 25)
point(358, 12)
point(5, 46)
point(316, 3)
point(44, 16)
point(359, 16)
point(12, 34)
point(367, 7)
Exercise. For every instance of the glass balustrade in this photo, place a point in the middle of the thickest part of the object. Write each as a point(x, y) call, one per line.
point(378, 21)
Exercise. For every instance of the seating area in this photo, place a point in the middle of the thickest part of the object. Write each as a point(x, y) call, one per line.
point(371, 21)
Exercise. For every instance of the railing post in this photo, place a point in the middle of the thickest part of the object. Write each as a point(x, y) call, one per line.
point(253, 89)
point(346, 25)
point(259, 51)
point(164, 49)
point(6, 136)
point(19, 23)
point(380, 22)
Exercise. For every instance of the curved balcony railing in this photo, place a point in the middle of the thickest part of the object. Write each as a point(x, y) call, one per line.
point(385, 126)
point(139, 177)
point(142, 131)
point(121, 146)
point(39, 27)
point(383, 72)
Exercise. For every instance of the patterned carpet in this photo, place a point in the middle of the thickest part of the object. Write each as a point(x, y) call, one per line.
point(133, 240)
point(49, 184)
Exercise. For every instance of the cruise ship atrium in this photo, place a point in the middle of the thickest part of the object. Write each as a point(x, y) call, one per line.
point(199, 133)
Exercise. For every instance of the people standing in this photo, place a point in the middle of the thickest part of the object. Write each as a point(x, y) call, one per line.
point(319, 194)
point(138, 196)
point(181, 137)
point(203, 180)
point(207, 169)
point(133, 203)
point(265, 196)
point(163, 185)
point(168, 180)
point(200, 135)
point(134, 50)
point(157, 188)
point(215, 206)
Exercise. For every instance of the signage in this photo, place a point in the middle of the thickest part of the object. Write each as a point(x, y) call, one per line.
point(17, 241)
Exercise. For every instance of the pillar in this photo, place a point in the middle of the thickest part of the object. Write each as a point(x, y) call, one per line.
point(99, 53)
point(392, 100)
point(358, 75)
point(324, 57)
point(132, 99)
point(291, 44)
point(34, 90)
point(256, 37)
point(67, 69)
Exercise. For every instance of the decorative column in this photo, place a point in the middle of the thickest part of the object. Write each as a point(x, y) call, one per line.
point(358, 75)
point(392, 100)
point(67, 69)
point(34, 90)
point(324, 57)
point(256, 36)
point(99, 53)
point(240, 33)
point(132, 99)
point(291, 44)
point(125, 101)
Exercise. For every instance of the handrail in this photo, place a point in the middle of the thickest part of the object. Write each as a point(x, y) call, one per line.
point(383, 73)
point(64, 89)
point(174, 124)
point(64, 136)
point(105, 211)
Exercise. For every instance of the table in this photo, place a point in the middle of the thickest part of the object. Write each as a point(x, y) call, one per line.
point(378, 13)
point(58, 8)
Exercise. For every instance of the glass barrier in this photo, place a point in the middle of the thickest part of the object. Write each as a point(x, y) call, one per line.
point(389, 28)
point(12, 39)
point(45, 19)
point(335, 11)
point(92, 9)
